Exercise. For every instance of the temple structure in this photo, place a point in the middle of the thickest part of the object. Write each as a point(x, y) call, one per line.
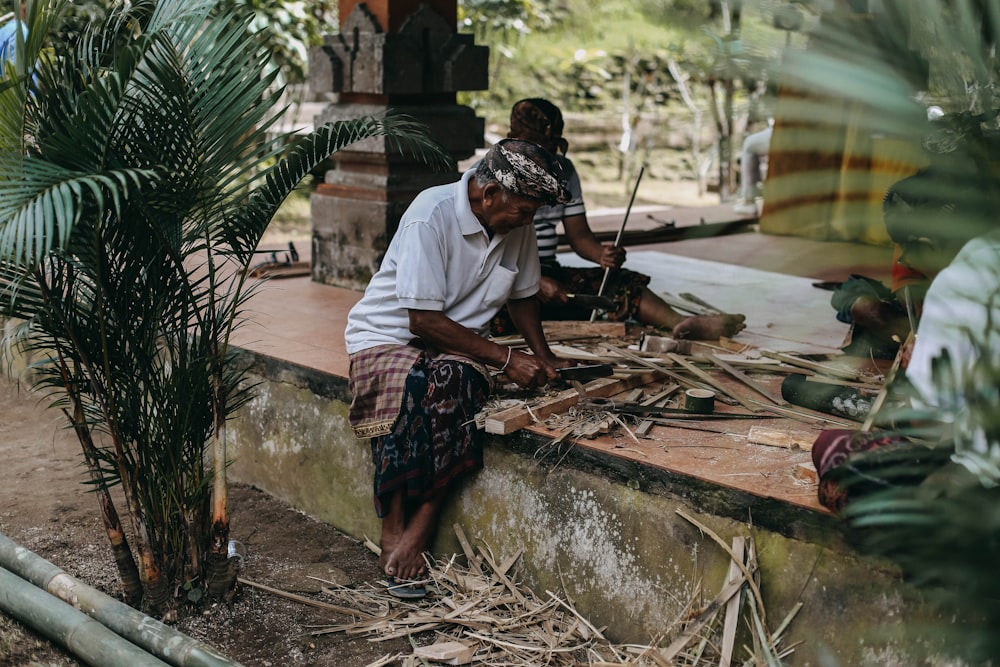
point(406, 56)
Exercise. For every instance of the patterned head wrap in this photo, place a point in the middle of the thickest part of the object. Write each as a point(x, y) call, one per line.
point(524, 169)
point(538, 120)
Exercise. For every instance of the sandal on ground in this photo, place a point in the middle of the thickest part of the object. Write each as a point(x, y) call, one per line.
point(405, 590)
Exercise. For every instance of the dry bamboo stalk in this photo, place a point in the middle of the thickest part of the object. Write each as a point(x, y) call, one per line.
point(470, 554)
point(304, 600)
point(746, 573)
point(806, 415)
point(739, 375)
point(813, 366)
point(890, 376)
point(676, 377)
point(732, 607)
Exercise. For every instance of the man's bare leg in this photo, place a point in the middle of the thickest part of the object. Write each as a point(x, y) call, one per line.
point(393, 525)
point(655, 311)
point(405, 559)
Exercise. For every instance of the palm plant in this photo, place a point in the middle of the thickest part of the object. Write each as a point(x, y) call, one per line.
point(137, 176)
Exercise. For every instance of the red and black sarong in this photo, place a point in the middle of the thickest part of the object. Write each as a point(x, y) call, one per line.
point(432, 438)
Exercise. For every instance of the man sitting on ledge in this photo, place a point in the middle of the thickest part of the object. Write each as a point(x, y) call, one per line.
point(418, 355)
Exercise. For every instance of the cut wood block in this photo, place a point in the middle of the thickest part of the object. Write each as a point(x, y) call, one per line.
point(555, 328)
point(512, 419)
point(449, 653)
point(633, 396)
point(806, 472)
point(771, 437)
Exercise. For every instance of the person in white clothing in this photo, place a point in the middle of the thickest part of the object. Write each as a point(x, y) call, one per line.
point(755, 149)
point(417, 345)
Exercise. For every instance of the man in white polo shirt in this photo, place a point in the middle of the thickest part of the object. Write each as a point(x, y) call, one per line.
point(419, 355)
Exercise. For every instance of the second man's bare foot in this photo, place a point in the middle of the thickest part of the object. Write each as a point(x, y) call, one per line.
point(709, 327)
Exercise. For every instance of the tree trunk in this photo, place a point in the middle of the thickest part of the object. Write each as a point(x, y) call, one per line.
point(220, 576)
point(127, 569)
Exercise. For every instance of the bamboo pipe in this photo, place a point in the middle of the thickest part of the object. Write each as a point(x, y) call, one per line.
point(157, 638)
point(78, 633)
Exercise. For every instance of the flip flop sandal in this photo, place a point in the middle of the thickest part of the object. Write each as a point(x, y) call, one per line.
point(405, 590)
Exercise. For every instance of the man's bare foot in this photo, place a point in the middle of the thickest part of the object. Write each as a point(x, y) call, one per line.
point(406, 561)
point(709, 327)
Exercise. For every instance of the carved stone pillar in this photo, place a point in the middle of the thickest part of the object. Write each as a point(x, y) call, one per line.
point(409, 57)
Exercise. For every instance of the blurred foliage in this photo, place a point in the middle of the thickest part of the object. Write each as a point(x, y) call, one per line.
point(933, 506)
point(290, 28)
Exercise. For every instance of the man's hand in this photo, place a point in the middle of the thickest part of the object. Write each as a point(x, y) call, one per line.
point(550, 291)
point(529, 371)
point(612, 257)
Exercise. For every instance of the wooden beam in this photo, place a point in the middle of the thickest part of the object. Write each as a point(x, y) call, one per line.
point(760, 435)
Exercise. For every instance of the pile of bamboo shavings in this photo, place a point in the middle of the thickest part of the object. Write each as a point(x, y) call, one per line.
point(479, 614)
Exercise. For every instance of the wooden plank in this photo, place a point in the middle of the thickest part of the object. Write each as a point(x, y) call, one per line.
point(449, 653)
point(554, 328)
point(513, 419)
point(760, 435)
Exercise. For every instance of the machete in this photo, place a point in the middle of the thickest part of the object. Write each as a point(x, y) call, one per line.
point(674, 413)
point(585, 372)
point(592, 301)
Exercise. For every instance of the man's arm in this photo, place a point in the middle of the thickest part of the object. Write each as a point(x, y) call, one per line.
point(446, 335)
point(585, 244)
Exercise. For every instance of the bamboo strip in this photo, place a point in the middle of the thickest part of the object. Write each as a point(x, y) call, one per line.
point(739, 375)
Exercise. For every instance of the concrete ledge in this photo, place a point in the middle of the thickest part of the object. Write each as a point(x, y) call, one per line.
point(601, 530)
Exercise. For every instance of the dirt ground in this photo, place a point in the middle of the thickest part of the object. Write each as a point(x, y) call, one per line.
point(44, 507)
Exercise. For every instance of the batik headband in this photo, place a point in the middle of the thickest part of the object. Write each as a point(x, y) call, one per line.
point(526, 170)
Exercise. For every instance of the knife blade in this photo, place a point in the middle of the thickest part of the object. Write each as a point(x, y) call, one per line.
point(593, 301)
point(585, 372)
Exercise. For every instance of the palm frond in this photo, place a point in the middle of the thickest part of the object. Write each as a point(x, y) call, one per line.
point(242, 231)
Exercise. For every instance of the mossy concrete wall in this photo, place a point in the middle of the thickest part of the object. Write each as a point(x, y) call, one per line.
point(608, 535)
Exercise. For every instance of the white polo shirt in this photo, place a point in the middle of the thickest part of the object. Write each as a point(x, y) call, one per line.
point(441, 259)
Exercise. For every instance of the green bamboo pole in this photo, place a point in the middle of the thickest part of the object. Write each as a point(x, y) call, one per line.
point(161, 640)
point(78, 633)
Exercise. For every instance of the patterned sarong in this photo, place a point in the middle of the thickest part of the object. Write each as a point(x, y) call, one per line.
point(832, 453)
point(429, 438)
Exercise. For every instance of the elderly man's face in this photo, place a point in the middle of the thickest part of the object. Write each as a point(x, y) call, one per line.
point(506, 211)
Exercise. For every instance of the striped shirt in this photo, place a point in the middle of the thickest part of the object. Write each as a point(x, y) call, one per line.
point(548, 217)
